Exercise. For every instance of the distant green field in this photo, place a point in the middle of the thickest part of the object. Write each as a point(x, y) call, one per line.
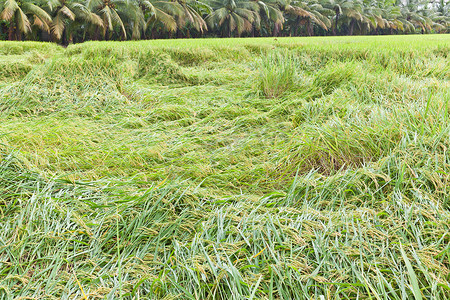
point(289, 168)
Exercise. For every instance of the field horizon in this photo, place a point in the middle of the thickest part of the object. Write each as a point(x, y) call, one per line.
point(254, 168)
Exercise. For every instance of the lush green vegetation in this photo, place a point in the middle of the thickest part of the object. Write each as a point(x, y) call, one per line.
point(67, 21)
point(289, 168)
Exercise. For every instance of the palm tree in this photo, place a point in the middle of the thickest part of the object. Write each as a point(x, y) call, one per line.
point(349, 10)
point(382, 14)
point(233, 16)
point(190, 14)
point(17, 12)
point(416, 14)
point(303, 13)
point(270, 13)
point(87, 18)
point(443, 15)
point(161, 13)
point(319, 16)
point(122, 19)
point(62, 14)
point(105, 15)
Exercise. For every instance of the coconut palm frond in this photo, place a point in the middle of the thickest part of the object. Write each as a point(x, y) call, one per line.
point(67, 12)
point(58, 26)
point(22, 21)
point(9, 8)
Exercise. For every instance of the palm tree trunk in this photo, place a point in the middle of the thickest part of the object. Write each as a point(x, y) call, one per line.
point(19, 35)
point(309, 27)
point(11, 31)
point(297, 26)
point(96, 36)
point(352, 25)
point(153, 34)
point(276, 29)
point(335, 24)
point(64, 38)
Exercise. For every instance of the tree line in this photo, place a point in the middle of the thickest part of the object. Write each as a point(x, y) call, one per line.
point(66, 21)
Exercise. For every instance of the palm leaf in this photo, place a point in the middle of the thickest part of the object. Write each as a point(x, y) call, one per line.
point(9, 8)
point(167, 20)
point(67, 12)
point(30, 8)
point(58, 26)
point(22, 21)
point(118, 20)
point(41, 24)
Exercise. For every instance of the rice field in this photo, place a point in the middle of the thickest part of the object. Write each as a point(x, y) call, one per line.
point(256, 168)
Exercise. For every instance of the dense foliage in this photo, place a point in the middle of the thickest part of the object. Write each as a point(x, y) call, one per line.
point(79, 20)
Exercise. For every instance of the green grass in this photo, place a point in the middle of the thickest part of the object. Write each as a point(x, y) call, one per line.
point(289, 168)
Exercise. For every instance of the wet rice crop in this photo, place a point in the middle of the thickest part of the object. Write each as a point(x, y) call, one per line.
point(292, 168)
